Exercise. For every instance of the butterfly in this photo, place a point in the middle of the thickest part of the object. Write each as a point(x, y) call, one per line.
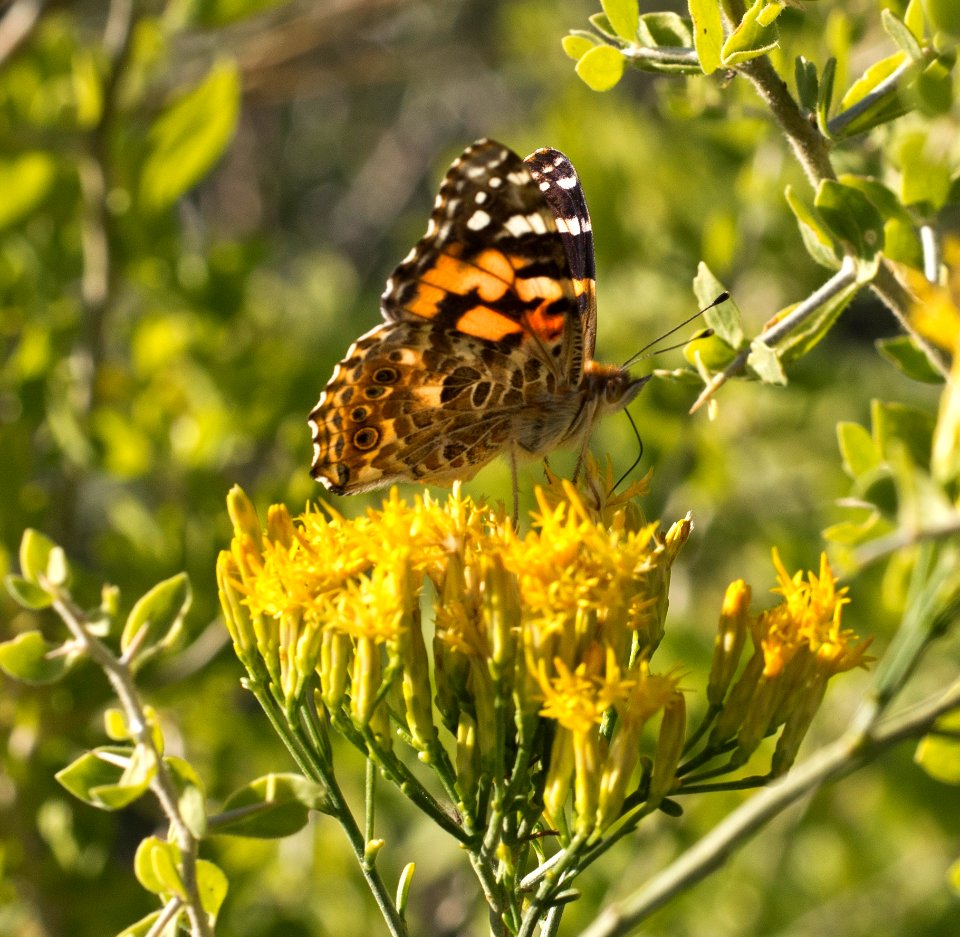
point(488, 336)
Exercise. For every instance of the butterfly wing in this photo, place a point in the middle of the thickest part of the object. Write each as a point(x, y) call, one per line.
point(560, 185)
point(493, 264)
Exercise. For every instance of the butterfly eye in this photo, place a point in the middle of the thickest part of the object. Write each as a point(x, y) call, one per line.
point(366, 438)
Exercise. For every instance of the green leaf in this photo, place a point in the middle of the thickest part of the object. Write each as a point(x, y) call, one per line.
point(925, 178)
point(944, 15)
point(601, 68)
point(270, 807)
point(825, 96)
point(707, 33)
point(764, 361)
point(852, 533)
point(725, 319)
point(932, 90)
point(858, 449)
point(624, 16)
point(851, 217)
point(191, 795)
point(816, 236)
point(805, 78)
point(189, 137)
point(212, 885)
point(899, 423)
point(885, 108)
point(939, 755)
point(26, 593)
point(160, 613)
point(35, 551)
point(902, 352)
point(28, 657)
point(577, 44)
point(665, 29)
point(25, 181)
point(805, 336)
point(601, 23)
point(900, 33)
point(143, 927)
point(156, 866)
point(108, 777)
point(770, 12)
point(750, 39)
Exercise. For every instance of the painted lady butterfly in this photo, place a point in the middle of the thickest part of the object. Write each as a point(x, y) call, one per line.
point(488, 339)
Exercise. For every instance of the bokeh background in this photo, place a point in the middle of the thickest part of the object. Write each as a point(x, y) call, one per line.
point(159, 347)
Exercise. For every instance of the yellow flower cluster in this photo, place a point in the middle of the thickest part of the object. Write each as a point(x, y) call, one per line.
point(554, 625)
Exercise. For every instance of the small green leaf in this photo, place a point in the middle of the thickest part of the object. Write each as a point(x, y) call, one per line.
point(939, 755)
point(132, 784)
point(273, 806)
point(25, 181)
point(707, 33)
point(189, 137)
point(115, 725)
point(902, 352)
point(28, 657)
point(765, 363)
point(858, 449)
point(624, 16)
point(851, 218)
point(770, 12)
point(601, 68)
point(900, 33)
point(578, 44)
point(933, 88)
point(882, 110)
point(665, 29)
point(816, 236)
point(97, 770)
point(191, 795)
point(601, 23)
point(898, 423)
point(160, 612)
point(26, 593)
point(750, 39)
point(725, 319)
point(212, 885)
point(925, 179)
point(825, 96)
point(35, 550)
point(805, 78)
point(156, 866)
point(853, 533)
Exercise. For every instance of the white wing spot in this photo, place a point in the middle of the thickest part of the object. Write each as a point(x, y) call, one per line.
point(517, 225)
point(480, 197)
point(567, 182)
point(478, 220)
point(544, 185)
point(570, 225)
point(495, 182)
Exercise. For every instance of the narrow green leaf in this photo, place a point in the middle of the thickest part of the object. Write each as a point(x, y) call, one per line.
point(707, 33)
point(25, 181)
point(803, 338)
point(189, 137)
point(160, 611)
point(191, 795)
point(900, 33)
point(212, 885)
point(825, 96)
point(770, 12)
point(166, 858)
point(944, 15)
point(624, 16)
point(29, 658)
point(578, 44)
point(913, 17)
point(858, 449)
point(851, 217)
point(601, 68)
point(805, 78)
point(902, 352)
point(273, 806)
point(816, 236)
point(725, 319)
point(765, 363)
point(26, 593)
point(750, 39)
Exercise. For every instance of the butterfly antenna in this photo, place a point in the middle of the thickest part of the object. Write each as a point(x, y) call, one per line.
point(636, 461)
point(722, 298)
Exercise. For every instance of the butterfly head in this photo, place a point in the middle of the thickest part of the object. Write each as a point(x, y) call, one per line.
point(612, 387)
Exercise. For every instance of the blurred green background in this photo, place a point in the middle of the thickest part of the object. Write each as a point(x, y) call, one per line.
point(176, 284)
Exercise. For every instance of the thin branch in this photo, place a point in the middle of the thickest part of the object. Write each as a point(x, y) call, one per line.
point(830, 763)
point(17, 24)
